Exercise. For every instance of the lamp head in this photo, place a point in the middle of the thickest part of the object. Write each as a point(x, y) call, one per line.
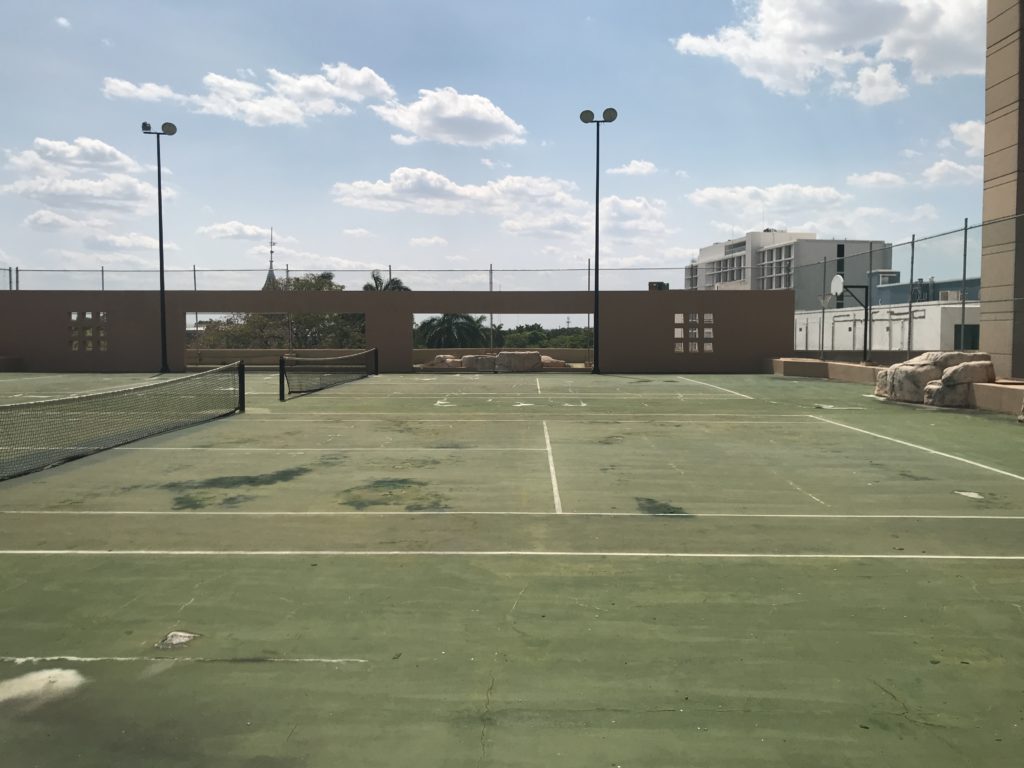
point(146, 127)
point(169, 129)
point(587, 116)
point(609, 115)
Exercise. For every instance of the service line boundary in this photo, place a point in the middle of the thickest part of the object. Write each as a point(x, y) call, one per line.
point(715, 386)
point(920, 448)
point(496, 553)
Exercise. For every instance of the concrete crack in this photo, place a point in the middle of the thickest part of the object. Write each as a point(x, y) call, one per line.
point(485, 719)
point(905, 714)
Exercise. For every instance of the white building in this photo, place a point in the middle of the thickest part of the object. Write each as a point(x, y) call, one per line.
point(936, 326)
point(775, 260)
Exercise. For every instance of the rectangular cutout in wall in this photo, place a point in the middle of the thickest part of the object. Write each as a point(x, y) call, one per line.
point(680, 318)
point(74, 317)
point(694, 332)
point(709, 347)
point(103, 346)
point(695, 346)
point(88, 315)
point(74, 345)
point(694, 317)
point(680, 332)
point(680, 346)
point(88, 346)
point(709, 318)
point(103, 317)
point(709, 333)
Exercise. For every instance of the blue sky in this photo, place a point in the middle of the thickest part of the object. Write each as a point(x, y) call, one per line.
point(446, 134)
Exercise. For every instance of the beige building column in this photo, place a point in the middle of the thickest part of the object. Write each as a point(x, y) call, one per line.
point(1002, 244)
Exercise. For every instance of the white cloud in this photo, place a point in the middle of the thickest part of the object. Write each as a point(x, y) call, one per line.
point(971, 134)
point(284, 100)
point(444, 115)
point(910, 154)
point(63, 22)
point(790, 45)
point(875, 179)
point(235, 230)
point(525, 205)
point(50, 221)
point(427, 242)
point(752, 208)
point(133, 241)
point(116, 191)
point(358, 232)
point(875, 85)
point(949, 172)
point(635, 168)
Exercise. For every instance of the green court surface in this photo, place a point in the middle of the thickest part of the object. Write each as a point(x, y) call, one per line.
point(521, 570)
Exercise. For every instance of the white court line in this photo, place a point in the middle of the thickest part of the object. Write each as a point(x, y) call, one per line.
point(798, 418)
point(551, 468)
point(806, 493)
point(194, 659)
point(590, 416)
point(493, 553)
point(538, 385)
point(493, 513)
point(921, 448)
point(715, 386)
point(247, 449)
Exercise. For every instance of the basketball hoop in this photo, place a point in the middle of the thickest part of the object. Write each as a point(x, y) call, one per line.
point(825, 300)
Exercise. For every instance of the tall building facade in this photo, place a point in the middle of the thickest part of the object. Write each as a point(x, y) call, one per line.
point(776, 260)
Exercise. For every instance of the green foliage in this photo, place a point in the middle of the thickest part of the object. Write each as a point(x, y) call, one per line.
point(305, 330)
point(378, 283)
point(533, 335)
point(451, 331)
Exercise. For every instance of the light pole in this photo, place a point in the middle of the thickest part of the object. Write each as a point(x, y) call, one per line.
point(608, 116)
point(167, 129)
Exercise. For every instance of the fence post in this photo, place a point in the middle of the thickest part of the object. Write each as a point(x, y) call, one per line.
point(824, 293)
point(910, 302)
point(867, 303)
point(490, 287)
point(963, 296)
point(103, 279)
point(17, 278)
point(10, 278)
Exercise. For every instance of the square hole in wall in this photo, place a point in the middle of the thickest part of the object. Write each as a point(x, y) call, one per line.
point(709, 333)
point(680, 318)
point(103, 317)
point(680, 333)
point(88, 346)
point(695, 346)
point(73, 316)
point(694, 317)
point(709, 347)
point(103, 346)
point(74, 345)
point(693, 332)
point(88, 315)
point(73, 330)
point(680, 346)
point(709, 318)
point(88, 333)
point(101, 332)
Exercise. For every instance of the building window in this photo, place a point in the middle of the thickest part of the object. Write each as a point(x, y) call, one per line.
point(680, 318)
point(680, 346)
point(680, 332)
point(694, 346)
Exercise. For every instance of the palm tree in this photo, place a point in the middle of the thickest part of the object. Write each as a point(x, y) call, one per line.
point(378, 283)
point(452, 331)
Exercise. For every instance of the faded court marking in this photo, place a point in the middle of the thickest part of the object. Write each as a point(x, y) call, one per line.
point(921, 448)
point(715, 386)
point(551, 468)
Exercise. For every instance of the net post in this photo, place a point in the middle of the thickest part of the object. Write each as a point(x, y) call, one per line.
point(376, 361)
point(241, 386)
point(280, 379)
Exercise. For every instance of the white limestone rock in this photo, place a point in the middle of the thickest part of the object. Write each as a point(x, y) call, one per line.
point(907, 381)
point(551, 362)
point(969, 373)
point(947, 396)
point(517, 362)
point(478, 362)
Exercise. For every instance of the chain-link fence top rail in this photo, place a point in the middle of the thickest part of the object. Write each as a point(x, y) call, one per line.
point(41, 434)
point(939, 256)
point(300, 375)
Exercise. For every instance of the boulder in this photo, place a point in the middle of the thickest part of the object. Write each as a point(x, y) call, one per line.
point(947, 395)
point(444, 361)
point(478, 362)
point(517, 362)
point(907, 381)
point(969, 373)
point(550, 362)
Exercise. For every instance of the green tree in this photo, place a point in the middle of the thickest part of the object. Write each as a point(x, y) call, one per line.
point(451, 331)
point(378, 283)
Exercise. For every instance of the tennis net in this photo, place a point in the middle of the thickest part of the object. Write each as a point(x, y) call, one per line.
point(299, 375)
point(38, 435)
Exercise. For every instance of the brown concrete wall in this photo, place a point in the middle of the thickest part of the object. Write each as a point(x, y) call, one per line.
point(1002, 398)
point(637, 327)
point(1002, 245)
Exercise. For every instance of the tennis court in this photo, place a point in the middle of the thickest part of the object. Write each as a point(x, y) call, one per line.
point(499, 570)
